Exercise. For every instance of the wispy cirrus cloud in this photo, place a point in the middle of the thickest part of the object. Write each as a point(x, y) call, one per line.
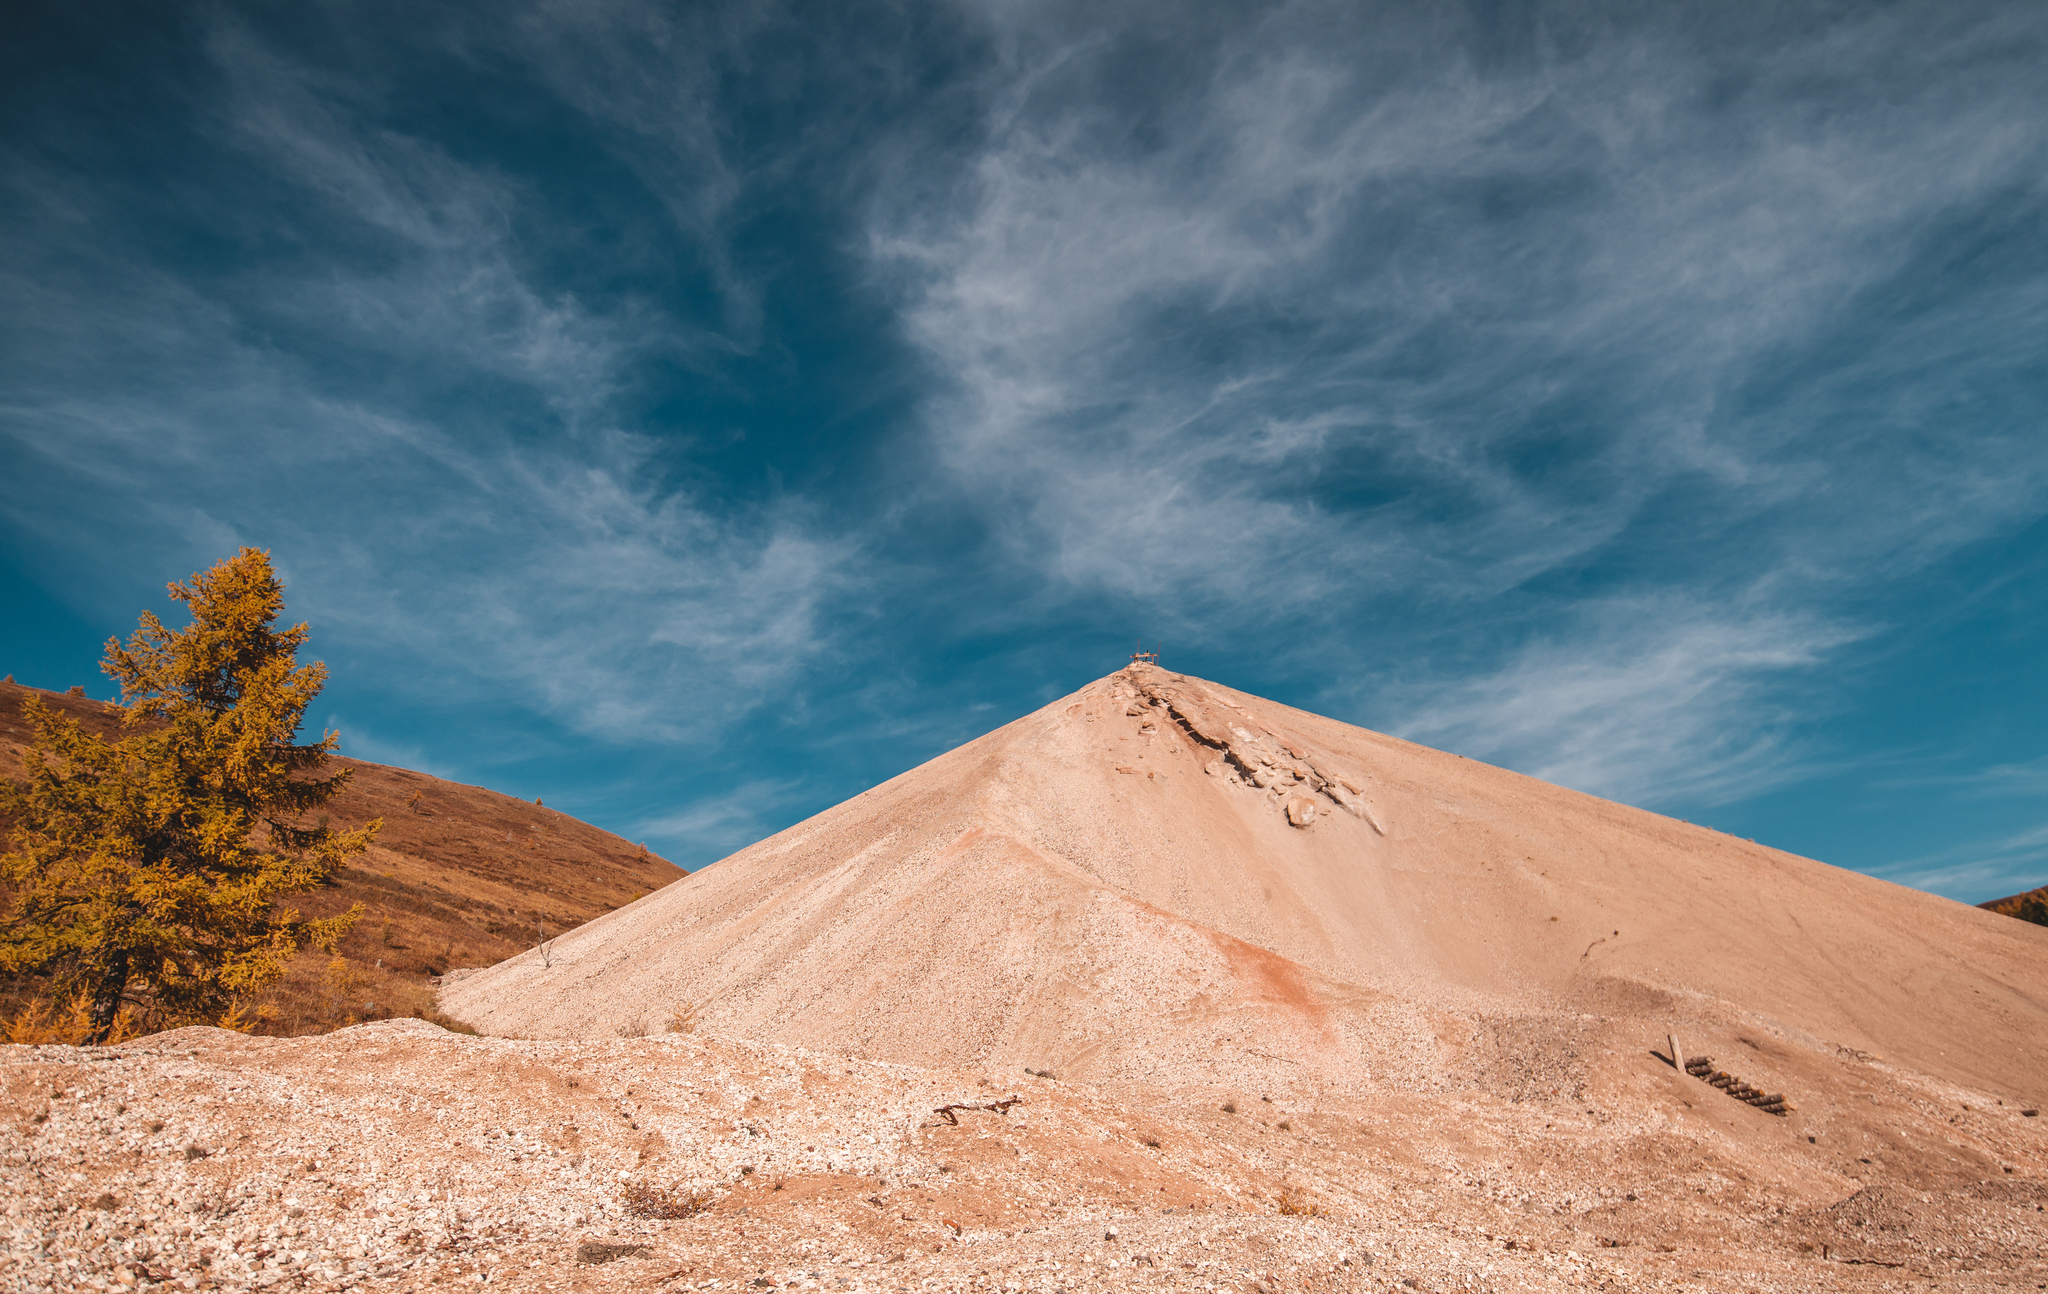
point(449, 289)
point(1635, 702)
point(797, 391)
point(2004, 865)
point(1352, 319)
point(2024, 780)
point(461, 491)
point(729, 822)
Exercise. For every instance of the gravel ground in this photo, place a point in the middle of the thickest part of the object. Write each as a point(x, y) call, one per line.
point(399, 1156)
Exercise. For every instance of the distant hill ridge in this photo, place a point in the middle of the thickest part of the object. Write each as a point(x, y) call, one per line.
point(2031, 906)
point(459, 876)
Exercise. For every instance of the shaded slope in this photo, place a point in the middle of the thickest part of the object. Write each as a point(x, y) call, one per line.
point(1162, 879)
point(460, 876)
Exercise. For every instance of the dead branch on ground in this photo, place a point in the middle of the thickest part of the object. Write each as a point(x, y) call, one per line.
point(994, 1107)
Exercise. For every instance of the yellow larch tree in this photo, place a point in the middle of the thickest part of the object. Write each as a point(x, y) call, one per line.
point(146, 871)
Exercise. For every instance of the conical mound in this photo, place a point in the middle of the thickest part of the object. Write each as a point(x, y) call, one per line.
point(1159, 880)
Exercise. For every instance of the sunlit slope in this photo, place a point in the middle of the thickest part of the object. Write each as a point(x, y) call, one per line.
point(1161, 878)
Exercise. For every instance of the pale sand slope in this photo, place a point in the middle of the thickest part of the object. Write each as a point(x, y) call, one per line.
point(1020, 901)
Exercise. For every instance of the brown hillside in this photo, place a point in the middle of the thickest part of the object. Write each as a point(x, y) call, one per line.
point(460, 876)
point(2031, 906)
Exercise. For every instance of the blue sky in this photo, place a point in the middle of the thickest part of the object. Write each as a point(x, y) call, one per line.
point(692, 415)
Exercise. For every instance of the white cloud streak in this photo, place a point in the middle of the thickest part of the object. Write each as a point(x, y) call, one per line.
point(728, 822)
point(2011, 864)
point(457, 294)
point(1509, 309)
point(565, 567)
point(1634, 704)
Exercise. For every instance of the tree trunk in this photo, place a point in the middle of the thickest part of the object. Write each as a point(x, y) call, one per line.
point(106, 996)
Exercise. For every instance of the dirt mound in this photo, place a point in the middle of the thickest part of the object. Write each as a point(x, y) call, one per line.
point(460, 876)
point(1161, 881)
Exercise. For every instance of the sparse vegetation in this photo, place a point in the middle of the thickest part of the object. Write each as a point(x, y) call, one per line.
point(1295, 1204)
point(647, 1201)
point(39, 1022)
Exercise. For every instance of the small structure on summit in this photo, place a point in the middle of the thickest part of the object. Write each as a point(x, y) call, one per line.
point(1143, 657)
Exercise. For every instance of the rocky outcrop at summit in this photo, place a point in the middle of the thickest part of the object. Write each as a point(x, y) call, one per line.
point(1248, 751)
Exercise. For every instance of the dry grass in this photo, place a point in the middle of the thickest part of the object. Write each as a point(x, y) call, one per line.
point(644, 1201)
point(323, 992)
point(1294, 1204)
point(38, 1023)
